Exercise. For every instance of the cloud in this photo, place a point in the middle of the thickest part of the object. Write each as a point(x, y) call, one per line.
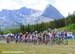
point(35, 4)
point(16, 4)
point(65, 6)
point(51, 1)
point(9, 4)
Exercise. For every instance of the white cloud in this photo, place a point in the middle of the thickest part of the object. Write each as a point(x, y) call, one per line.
point(35, 4)
point(65, 6)
point(15, 4)
point(8, 4)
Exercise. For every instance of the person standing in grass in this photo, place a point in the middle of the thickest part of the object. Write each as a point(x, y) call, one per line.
point(66, 40)
point(17, 38)
point(8, 39)
point(45, 37)
point(40, 37)
point(35, 37)
point(53, 37)
point(58, 37)
point(23, 37)
point(30, 38)
point(62, 37)
point(49, 35)
point(26, 37)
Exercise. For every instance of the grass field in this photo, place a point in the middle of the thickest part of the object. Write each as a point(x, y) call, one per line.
point(22, 48)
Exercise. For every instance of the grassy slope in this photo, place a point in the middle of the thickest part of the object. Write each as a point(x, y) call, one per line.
point(39, 49)
point(70, 27)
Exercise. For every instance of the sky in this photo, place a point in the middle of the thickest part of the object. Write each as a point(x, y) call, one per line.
point(64, 6)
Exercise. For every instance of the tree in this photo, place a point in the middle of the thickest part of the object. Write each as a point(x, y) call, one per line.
point(22, 28)
point(1, 32)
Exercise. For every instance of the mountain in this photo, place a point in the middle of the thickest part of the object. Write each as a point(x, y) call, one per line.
point(13, 18)
point(52, 12)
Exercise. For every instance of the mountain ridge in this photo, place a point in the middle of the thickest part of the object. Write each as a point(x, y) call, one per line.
point(13, 18)
point(52, 12)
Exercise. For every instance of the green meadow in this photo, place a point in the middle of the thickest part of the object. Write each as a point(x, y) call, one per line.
point(22, 48)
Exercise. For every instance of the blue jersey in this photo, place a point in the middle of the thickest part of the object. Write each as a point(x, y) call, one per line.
point(17, 36)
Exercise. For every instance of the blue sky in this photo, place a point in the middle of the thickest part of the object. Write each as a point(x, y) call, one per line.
point(64, 6)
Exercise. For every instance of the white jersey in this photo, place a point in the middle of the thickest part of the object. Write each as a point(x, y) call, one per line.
point(49, 34)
